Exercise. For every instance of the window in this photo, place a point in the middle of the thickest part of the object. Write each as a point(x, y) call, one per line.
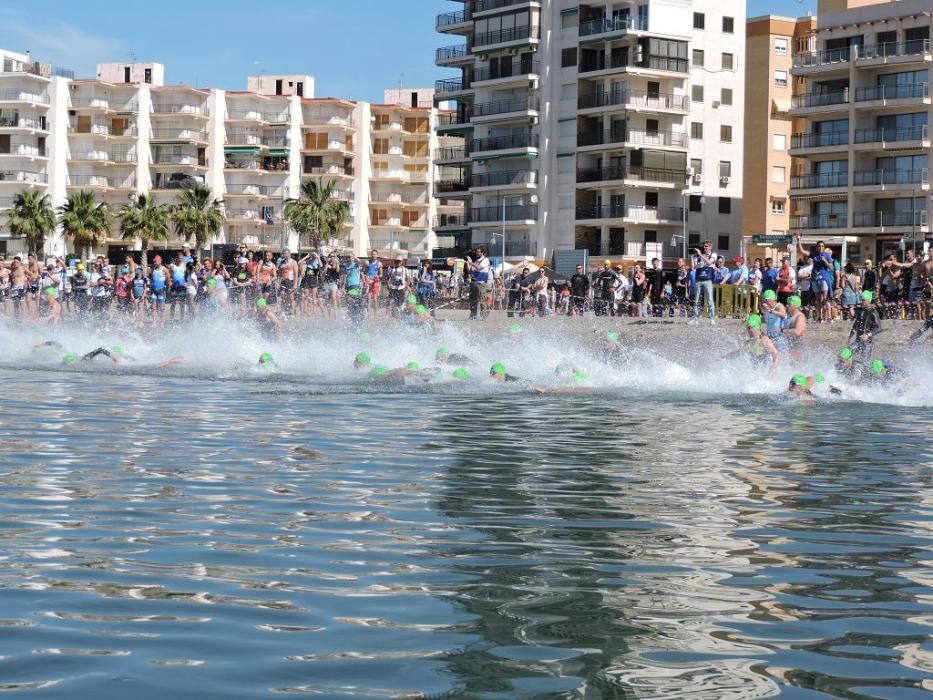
point(651, 236)
point(699, 20)
point(777, 206)
point(725, 168)
point(725, 205)
point(780, 78)
point(568, 57)
point(722, 244)
point(728, 61)
point(780, 46)
point(696, 202)
point(693, 239)
point(777, 173)
point(696, 130)
point(779, 142)
point(697, 165)
point(696, 93)
point(698, 58)
point(728, 25)
point(725, 133)
point(725, 97)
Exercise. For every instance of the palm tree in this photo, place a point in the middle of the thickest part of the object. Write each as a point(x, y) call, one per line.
point(145, 220)
point(32, 218)
point(198, 215)
point(85, 221)
point(316, 212)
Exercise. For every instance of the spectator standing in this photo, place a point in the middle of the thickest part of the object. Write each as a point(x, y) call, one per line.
point(704, 263)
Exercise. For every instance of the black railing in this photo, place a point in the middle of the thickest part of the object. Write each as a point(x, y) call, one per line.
point(501, 143)
point(830, 138)
point(450, 85)
point(890, 177)
point(613, 24)
point(907, 133)
point(448, 186)
point(646, 138)
point(501, 36)
point(459, 220)
point(450, 18)
point(447, 53)
point(485, 5)
point(515, 212)
point(819, 99)
point(894, 48)
point(453, 119)
point(880, 219)
point(663, 63)
point(819, 180)
point(892, 92)
point(505, 177)
point(630, 172)
point(517, 67)
point(634, 98)
point(517, 104)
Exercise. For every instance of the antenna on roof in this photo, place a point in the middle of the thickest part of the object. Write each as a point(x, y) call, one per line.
point(132, 55)
point(262, 70)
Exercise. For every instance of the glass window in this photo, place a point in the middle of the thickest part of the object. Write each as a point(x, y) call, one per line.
point(696, 202)
point(725, 168)
point(697, 57)
point(726, 96)
point(780, 46)
point(728, 25)
point(697, 165)
point(779, 142)
point(693, 239)
point(725, 133)
point(696, 93)
point(777, 206)
point(699, 20)
point(728, 61)
point(722, 243)
point(777, 173)
point(568, 57)
point(725, 205)
point(780, 78)
point(696, 130)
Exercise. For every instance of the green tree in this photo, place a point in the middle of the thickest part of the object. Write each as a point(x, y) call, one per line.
point(85, 221)
point(317, 213)
point(32, 217)
point(147, 221)
point(197, 215)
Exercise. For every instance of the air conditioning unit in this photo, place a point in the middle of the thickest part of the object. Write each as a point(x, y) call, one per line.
point(724, 181)
point(697, 179)
point(716, 104)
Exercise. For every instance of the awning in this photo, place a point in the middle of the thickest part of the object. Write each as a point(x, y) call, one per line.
point(251, 150)
point(497, 156)
point(837, 197)
point(278, 151)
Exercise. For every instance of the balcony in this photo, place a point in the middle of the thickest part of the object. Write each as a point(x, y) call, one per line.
point(251, 190)
point(633, 214)
point(177, 134)
point(619, 138)
point(454, 121)
point(900, 94)
point(162, 108)
point(102, 104)
point(443, 89)
point(245, 115)
point(892, 180)
point(275, 141)
point(487, 5)
point(505, 72)
point(894, 53)
point(823, 221)
point(905, 137)
point(504, 143)
point(634, 99)
point(23, 149)
point(446, 155)
point(451, 55)
point(15, 95)
point(241, 138)
point(92, 182)
point(451, 221)
point(819, 181)
point(819, 102)
point(801, 144)
point(820, 61)
point(459, 186)
point(524, 179)
point(247, 215)
point(664, 64)
point(890, 219)
point(504, 36)
point(336, 170)
point(23, 177)
point(634, 173)
point(453, 21)
point(515, 212)
point(519, 105)
point(612, 25)
point(188, 159)
point(19, 122)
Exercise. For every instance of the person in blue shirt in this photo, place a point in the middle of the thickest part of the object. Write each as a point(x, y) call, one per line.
point(769, 276)
point(353, 279)
point(739, 273)
point(821, 281)
point(721, 273)
point(704, 263)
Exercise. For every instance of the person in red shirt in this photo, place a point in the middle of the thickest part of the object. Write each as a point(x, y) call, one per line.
point(123, 290)
point(785, 281)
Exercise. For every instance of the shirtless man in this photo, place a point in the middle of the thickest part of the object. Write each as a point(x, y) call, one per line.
point(4, 284)
point(19, 281)
point(288, 272)
point(266, 276)
point(33, 274)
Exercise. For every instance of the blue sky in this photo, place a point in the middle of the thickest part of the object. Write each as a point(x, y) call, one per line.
point(353, 48)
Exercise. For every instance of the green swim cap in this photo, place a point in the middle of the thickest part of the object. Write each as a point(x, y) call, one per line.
point(769, 295)
point(753, 321)
point(877, 367)
point(363, 358)
point(580, 376)
point(460, 373)
point(819, 378)
point(413, 366)
point(69, 359)
point(211, 282)
point(515, 328)
point(378, 371)
point(116, 350)
point(613, 336)
point(799, 380)
point(794, 301)
point(845, 354)
point(868, 295)
point(441, 352)
point(355, 292)
point(421, 309)
point(411, 299)
point(265, 357)
point(497, 368)
point(261, 303)
point(51, 292)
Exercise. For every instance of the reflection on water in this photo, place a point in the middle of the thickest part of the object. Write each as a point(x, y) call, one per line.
point(183, 538)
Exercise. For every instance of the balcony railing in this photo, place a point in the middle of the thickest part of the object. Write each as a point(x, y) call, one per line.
point(634, 98)
point(164, 108)
point(819, 180)
point(517, 67)
point(642, 138)
point(629, 172)
point(23, 96)
point(515, 212)
point(453, 119)
point(96, 129)
point(450, 18)
point(822, 58)
point(450, 85)
point(176, 134)
point(245, 115)
point(821, 221)
point(461, 153)
point(329, 170)
point(501, 143)
point(613, 24)
point(485, 5)
point(276, 141)
point(908, 133)
point(518, 104)
point(87, 181)
point(637, 213)
point(177, 159)
point(449, 220)
point(894, 48)
point(447, 53)
point(880, 219)
point(890, 177)
point(23, 176)
point(660, 63)
point(892, 92)
point(123, 157)
point(255, 190)
point(248, 215)
point(505, 178)
point(447, 186)
point(819, 99)
point(501, 36)
point(23, 149)
point(241, 138)
point(830, 138)
point(19, 122)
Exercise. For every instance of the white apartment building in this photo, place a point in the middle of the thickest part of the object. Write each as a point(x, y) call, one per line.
point(125, 132)
point(864, 153)
point(592, 126)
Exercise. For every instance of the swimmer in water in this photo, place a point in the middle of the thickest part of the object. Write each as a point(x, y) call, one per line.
point(755, 345)
point(884, 373)
point(848, 367)
point(71, 358)
point(801, 386)
point(498, 374)
point(578, 381)
point(266, 362)
point(269, 323)
point(362, 360)
point(446, 357)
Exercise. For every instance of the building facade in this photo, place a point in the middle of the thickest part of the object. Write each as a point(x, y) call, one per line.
point(125, 132)
point(863, 150)
point(614, 127)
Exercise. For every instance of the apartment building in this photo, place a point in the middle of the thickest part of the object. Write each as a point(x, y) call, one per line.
point(863, 149)
point(606, 126)
point(771, 42)
point(126, 132)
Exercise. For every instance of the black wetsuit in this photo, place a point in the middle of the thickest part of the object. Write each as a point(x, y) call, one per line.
point(579, 293)
point(867, 322)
